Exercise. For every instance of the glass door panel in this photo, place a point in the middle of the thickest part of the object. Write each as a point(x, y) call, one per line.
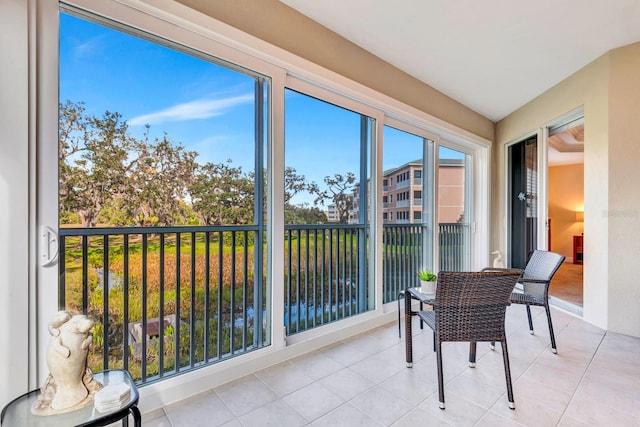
point(454, 209)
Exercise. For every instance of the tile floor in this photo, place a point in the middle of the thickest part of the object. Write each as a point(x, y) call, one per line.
point(594, 380)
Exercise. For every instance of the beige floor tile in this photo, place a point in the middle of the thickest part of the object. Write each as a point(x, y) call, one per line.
point(459, 411)
point(273, 414)
point(567, 421)
point(625, 399)
point(474, 391)
point(346, 383)
point(418, 417)
point(491, 419)
point(382, 405)
point(557, 378)
point(375, 369)
point(284, 378)
point(245, 395)
point(317, 365)
point(346, 416)
point(206, 410)
point(596, 412)
point(159, 421)
point(313, 401)
point(344, 353)
point(410, 387)
point(233, 423)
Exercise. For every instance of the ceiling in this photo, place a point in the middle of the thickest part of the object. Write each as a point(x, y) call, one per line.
point(491, 55)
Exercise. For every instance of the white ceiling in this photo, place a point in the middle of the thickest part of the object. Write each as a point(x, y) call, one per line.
point(491, 55)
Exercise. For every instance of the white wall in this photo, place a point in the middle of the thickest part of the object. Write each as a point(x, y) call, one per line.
point(588, 87)
point(623, 215)
point(14, 200)
point(607, 88)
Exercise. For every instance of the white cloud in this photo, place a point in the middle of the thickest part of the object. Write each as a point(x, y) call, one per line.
point(198, 109)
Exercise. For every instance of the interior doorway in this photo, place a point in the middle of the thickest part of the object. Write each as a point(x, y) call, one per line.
point(566, 209)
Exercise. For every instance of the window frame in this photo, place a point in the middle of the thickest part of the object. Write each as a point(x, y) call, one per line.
point(183, 25)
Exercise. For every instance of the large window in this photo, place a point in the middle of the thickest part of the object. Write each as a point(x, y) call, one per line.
point(161, 190)
point(326, 211)
point(454, 209)
point(405, 250)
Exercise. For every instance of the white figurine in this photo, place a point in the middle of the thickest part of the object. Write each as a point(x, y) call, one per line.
point(497, 263)
point(70, 383)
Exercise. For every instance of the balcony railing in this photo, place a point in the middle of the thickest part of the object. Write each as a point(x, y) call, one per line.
point(453, 238)
point(402, 254)
point(325, 274)
point(168, 300)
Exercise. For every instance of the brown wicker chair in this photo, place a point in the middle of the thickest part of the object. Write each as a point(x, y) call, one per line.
point(536, 278)
point(471, 307)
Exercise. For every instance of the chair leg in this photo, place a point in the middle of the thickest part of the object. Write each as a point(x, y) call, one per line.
point(507, 373)
point(492, 345)
point(440, 375)
point(399, 328)
point(434, 341)
point(530, 321)
point(472, 354)
point(553, 338)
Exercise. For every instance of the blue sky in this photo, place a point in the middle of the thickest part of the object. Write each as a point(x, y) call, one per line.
point(206, 107)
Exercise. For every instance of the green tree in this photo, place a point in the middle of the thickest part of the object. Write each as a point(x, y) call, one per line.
point(339, 191)
point(222, 194)
point(293, 184)
point(159, 182)
point(93, 154)
point(303, 214)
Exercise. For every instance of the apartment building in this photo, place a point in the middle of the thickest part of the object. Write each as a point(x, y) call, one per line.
point(402, 195)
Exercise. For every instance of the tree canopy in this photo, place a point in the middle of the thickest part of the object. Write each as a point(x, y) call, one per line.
point(108, 176)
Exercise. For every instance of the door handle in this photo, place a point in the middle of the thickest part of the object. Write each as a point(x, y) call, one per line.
point(522, 196)
point(48, 246)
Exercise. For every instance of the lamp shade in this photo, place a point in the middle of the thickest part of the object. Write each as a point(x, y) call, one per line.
point(579, 216)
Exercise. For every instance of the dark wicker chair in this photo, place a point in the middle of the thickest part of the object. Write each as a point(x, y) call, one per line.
point(471, 307)
point(535, 280)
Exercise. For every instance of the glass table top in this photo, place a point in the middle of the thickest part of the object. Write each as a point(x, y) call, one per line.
point(18, 412)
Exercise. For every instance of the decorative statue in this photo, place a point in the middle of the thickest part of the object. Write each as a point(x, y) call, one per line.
point(497, 263)
point(70, 383)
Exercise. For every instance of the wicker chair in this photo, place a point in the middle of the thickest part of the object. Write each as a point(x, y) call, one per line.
point(471, 307)
point(535, 280)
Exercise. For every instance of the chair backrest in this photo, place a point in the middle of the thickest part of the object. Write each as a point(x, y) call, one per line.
point(470, 306)
point(542, 266)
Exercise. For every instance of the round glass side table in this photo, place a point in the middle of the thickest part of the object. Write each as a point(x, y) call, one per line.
point(18, 412)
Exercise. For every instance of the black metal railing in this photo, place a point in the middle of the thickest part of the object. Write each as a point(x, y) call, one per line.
point(325, 274)
point(166, 299)
point(402, 258)
point(454, 239)
point(172, 299)
point(403, 252)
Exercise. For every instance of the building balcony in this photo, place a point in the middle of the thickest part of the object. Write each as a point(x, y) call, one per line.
point(403, 203)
